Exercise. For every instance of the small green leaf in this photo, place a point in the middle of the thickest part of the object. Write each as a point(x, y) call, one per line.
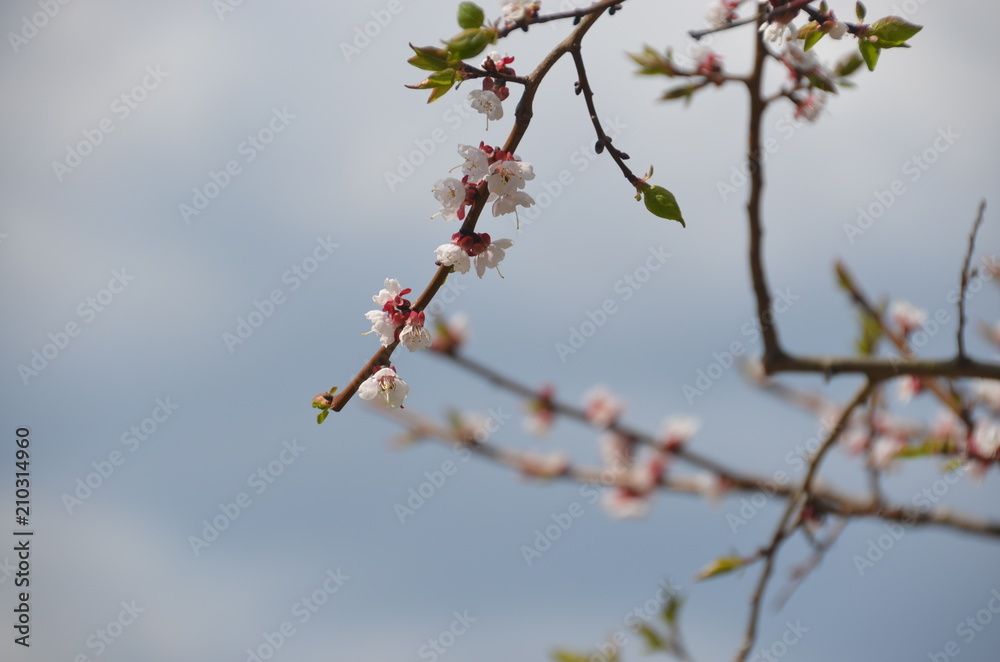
point(470, 15)
point(820, 82)
point(928, 447)
point(651, 637)
point(320, 417)
point(471, 42)
point(672, 609)
point(429, 58)
point(720, 567)
point(848, 65)
point(437, 93)
point(439, 83)
point(685, 92)
point(811, 33)
point(561, 655)
point(444, 78)
point(860, 10)
point(869, 52)
point(661, 202)
point(893, 31)
point(651, 63)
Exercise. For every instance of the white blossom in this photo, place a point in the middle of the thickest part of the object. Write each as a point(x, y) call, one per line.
point(986, 438)
point(487, 103)
point(450, 192)
point(491, 257)
point(838, 30)
point(386, 386)
point(678, 430)
point(388, 293)
point(451, 255)
point(415, 337)
point(382, 325)
point(907, 316)
point(987, 391)
point(477, 164)
point(602, 407)
point(775, 32)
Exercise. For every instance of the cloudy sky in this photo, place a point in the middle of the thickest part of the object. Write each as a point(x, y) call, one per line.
point(173, 170)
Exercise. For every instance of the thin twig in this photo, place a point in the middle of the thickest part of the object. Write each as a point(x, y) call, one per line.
point(602, 138)
point(965, 282)
point(785, 525)
point(522, 115)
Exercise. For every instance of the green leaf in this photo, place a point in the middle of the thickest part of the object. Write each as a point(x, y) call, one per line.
point(651, 63)
point(672, 609)
point(684, 92)
point(562, 655)
point(871, 334)
point(445, 79)
point(470, 15)
point(860, 10)
point(893, 31)
point(720, 567)
point(429, 58)
point(651, 637)
point(439, 83)
point(848, 65)
point(928, 447)
point(869, 52)
point(471, 42)
point(820, 82)
point(320, 417)
point(661, 202)
point(811, 33)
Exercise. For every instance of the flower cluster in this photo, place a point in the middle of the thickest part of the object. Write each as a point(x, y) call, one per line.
point(478, 246)
point(503, 172)
point(395, 320)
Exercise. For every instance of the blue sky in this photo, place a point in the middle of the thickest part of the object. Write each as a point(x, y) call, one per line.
point(290, 136)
